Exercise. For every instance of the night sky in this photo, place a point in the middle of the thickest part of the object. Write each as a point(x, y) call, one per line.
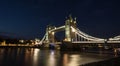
point(29, 18)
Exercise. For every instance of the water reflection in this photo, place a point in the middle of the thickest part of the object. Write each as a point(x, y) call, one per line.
point(51, 59)
point(65, 59)
point(74, 60)
point(71, 60)
point(37, 57)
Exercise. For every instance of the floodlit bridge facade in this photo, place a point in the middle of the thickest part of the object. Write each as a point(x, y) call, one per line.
point(74, 35)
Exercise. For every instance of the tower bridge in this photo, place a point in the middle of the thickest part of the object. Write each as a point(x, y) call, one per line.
point(74, 35)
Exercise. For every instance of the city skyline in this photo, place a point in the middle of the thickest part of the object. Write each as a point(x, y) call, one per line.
point(29, 18)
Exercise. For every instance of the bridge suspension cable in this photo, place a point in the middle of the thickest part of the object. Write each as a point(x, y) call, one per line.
point(85, 36)
point(115, 38)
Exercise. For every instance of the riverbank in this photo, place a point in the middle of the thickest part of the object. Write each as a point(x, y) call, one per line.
point(110, 62)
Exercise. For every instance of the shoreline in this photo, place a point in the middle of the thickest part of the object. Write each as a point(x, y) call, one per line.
point(108, 62)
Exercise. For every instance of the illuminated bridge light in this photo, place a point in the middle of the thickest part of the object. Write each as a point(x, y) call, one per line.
point(55, 27)
point(73, 30)
point(53, 33)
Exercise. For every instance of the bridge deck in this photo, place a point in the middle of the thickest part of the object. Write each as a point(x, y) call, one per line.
point(118, 42)
point(113, 42)
point(88, 42)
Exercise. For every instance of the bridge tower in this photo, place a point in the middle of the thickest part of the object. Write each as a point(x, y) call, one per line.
point(69, 33)
point(50, 34)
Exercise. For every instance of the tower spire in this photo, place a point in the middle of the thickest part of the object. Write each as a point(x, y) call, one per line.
point(70, 17)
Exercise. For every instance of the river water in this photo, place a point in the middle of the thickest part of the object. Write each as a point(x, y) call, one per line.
point(38, 57)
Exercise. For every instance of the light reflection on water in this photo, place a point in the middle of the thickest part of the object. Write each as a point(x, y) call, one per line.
point(37, 57)
point(74, 61)
point(51, 59)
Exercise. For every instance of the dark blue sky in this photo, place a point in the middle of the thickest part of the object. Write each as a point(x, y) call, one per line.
point(29, 18)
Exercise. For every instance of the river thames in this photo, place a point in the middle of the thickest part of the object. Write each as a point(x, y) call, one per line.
point(39, 57)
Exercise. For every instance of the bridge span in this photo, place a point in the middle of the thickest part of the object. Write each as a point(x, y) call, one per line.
point(74, 35)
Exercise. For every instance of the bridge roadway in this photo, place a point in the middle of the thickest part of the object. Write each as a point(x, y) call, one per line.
point(101, 42)
point(115, 42)
point(82, 42)
point(58, 29)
